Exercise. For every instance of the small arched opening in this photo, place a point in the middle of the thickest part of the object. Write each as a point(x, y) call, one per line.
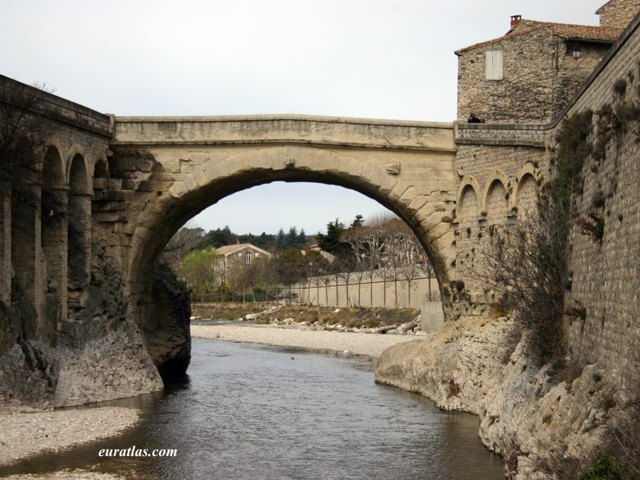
point(53, 216)
point(526, 196)
point(100, 177)
point(78, 230)
point(25, 203)
point(496, 203)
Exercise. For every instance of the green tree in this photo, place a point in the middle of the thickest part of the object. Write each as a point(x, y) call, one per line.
point(219, 237)
point(201, 271)
point(291, 267)
point(357, 222)
point(334, 243)
point(302, 239)
point(281, 240)
point(292, 237)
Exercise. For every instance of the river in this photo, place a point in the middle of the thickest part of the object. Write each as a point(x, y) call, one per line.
point(255, 412)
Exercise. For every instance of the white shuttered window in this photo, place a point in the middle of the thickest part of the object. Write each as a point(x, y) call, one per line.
point(493, 65)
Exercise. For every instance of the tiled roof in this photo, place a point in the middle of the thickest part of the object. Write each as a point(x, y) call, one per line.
point(229, 249)
point(563, 30)
point(580, 32)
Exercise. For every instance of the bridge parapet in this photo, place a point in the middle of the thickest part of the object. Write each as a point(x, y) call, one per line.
point(526, 135)
point(55, 108)
point(285, 129)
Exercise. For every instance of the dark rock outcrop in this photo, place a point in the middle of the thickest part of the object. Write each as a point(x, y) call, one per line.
point(94, 355)
point(167, 333)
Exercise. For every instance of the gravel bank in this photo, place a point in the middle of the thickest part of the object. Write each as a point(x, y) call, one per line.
point(67, 475)
point(26, 434)
point(368, 344)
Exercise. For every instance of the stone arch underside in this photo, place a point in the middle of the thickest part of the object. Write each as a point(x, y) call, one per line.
point(423, 200)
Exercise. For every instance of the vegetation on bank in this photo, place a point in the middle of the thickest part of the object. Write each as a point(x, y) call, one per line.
point(349, 317)
point(534, 283)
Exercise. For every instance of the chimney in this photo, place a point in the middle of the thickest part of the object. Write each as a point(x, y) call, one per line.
point(515, 20)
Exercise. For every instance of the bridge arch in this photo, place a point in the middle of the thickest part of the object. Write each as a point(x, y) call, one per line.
point(100, 175)
point(199, 184)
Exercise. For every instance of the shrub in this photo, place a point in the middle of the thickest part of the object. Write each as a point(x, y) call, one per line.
point(605, 467)
point(620, 87)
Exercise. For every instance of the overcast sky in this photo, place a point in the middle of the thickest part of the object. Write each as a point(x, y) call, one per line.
point(357, 58)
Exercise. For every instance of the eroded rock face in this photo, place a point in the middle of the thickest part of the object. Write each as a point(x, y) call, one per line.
point(115, 365)
point(455, 367)
point(167, 333)
point(101, 352)
point(96, 355)
point(545, 422)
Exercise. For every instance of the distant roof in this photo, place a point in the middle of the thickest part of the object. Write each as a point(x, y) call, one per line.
point(563, 30)
point(229, 249)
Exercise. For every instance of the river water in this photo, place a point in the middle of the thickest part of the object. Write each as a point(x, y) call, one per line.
point(255, 412)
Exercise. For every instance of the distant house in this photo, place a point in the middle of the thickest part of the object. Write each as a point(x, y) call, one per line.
point(316, 248)
point(531, 73)
point(242, 254)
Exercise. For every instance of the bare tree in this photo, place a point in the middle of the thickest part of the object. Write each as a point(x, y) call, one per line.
point(23, 129)
point(185, 240)
point(525, 265)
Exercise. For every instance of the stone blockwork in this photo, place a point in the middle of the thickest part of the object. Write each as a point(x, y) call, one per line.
point(618, 13)
point(174, 167)
point(501, 168)
point(542, 66)
point(606, 270)
point(546, 419)
point(84, 319)
point(65, 338)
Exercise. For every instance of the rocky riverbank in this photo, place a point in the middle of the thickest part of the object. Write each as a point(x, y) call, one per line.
point(546, 422)
point(26, 434)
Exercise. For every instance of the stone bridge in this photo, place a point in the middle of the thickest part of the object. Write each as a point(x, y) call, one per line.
point(169, 169)
point(89, 201)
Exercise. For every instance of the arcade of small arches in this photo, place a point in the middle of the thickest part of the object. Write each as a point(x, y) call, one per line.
point(46, 225)
point(500, 198)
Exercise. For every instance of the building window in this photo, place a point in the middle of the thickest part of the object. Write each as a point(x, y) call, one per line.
point(493, 65)
point(247, 258)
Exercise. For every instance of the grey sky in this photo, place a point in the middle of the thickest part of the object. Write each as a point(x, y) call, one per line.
point(358, 58)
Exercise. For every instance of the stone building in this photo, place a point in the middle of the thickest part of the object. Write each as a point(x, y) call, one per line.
point(618, 13)
point(530, 74)
point(241, 255)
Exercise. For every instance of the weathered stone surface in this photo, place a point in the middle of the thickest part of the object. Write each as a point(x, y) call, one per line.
point(115, 365)
point(539, 77)
point(167, 333)
point(455, 367)
point(28, 377)
point(533, 417)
